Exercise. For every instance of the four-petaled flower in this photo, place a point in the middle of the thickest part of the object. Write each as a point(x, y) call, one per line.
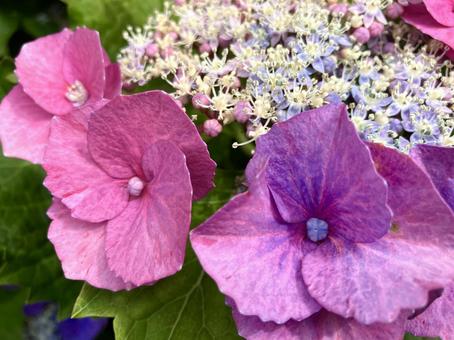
point(123, 187)
point(333, 238)
point(58, 74)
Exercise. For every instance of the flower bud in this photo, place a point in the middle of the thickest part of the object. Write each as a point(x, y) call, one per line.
point(394, 11)
point(200, 101)
point(242, 111)
point(212, 127)
point(362, 35)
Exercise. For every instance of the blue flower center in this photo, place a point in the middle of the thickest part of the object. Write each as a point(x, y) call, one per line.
point(317, 230)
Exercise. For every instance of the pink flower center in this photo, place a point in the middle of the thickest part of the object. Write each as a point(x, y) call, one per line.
point(135, 186)
point(77, 94)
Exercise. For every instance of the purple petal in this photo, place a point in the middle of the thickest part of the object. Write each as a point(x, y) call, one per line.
point(255, 259)
point(376, 281)
point(24, 126)
point(442, 11)
point(147, 241)
point(74, 177)
point(120, 132)
point(313, 170)
point(438, 162)
point(437, 320)
point(39, 68)
point(320, 326)
point(80, 248)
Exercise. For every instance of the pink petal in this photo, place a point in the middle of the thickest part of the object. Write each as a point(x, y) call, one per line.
point(374, 282)
point(418, 16)
point(255, 259)
point(113, 81)
point(438, 162)
point(24, 126)
point(39, 68)
point(437, 320)
point(120, 132)
point(320, 168)
point(320, 326)
point(83, 61)
point(72, 176)
point(147, 241)
point(441, 10)
point(80, 248)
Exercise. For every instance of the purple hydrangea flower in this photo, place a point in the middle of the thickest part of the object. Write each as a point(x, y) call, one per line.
point(388, 242)
point(437, 320)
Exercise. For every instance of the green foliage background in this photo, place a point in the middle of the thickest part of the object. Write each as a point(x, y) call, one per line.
point(185, 306)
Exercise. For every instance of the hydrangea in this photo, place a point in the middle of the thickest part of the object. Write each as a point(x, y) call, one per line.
point(334, 236)
point(123, 186)
point(58, 74)
point(438, 162)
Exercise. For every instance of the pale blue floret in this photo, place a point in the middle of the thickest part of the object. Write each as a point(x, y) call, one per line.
point(317, 230)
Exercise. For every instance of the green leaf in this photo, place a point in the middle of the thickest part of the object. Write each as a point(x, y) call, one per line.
point(184, 306)
point(9, 21)
point(12, 318)
point(7, 77)
point(27, 258)
point(408, 336)
point(111, 17)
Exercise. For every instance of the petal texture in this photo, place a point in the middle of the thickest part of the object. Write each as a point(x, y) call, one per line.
point(255, 259)
point(320, 168)
point(437, 319)
point(321, 326)
point(80, 248)
point(83, 61)
point(120, 132)
point(438, 162)
point(39, 68)
point(112, 88)
point(147, 241)
point(375, 282)
point(24, 126)
point(441, 11)
point(73, 177)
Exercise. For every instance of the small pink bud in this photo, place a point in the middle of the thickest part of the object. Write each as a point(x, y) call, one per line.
point(212, 127)
point(152, 50)
point(242, 111)
point(200, 101)
point(362, 35)
point(376, 29)
point(173, 35)
point(205, 48)
point(339, 8)
point(135, 186)
point(224, 40)
point(180, 2)
point(394, 11)
point(167, 52)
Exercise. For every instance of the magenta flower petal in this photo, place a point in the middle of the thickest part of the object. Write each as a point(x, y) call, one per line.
point(39, 68)
point(320, 326)
point(137, 121)
point(83, 62)
point(147, 241)
point(255, 259)
point(438, 162)
point(80, 248)
point(376, 281)
point(73, 177)
point(320, 180)
point(112, 88)
point(24, 126)
point(442, 11)
point(437, 319)
point(418, 16)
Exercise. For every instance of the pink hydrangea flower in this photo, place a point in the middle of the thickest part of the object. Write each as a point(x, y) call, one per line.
point(437, 319)
point(434, 18)
point(58, 74)
point(123, 186)
point(333, 237)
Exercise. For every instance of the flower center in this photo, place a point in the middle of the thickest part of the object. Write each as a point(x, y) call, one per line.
point(77, 94)
point(135, 186)
point(317, 230)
